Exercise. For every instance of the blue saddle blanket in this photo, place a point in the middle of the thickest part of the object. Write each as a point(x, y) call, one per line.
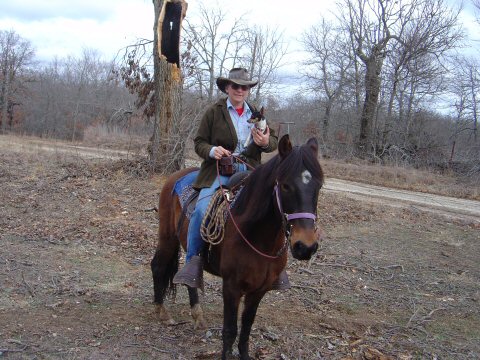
point(183, 188)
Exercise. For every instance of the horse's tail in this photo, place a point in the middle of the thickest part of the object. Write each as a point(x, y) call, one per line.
point(164, 264)
point(163, 271)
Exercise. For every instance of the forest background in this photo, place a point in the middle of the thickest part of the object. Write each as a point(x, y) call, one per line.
point(393, 82)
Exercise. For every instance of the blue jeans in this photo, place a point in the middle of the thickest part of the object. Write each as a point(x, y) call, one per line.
point(195, 242)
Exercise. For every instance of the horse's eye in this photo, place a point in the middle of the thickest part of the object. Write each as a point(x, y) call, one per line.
point(285, 187)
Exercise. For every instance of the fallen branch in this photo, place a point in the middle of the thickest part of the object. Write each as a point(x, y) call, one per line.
point(328, 327)
point(179, 323)
point(29, 288)
point(306, 270)
point(393, 267)
point(412, 317)
point(4, 351)
point(428, 317)
point(307, 287)
point(160, 350)
point(341, 266)
point(423, 319)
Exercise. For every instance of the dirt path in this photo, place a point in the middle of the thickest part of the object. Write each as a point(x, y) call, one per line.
point(31, 145)
point(452, 207)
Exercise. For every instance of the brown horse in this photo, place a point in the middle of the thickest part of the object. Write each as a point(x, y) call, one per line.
point(276, 209)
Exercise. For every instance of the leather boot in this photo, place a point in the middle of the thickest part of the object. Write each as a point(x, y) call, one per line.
point(191, 274)
point(282, 283)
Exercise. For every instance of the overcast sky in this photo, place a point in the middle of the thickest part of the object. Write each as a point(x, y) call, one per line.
point(65, 27)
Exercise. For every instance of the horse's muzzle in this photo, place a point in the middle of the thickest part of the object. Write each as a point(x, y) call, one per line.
point(301, 251)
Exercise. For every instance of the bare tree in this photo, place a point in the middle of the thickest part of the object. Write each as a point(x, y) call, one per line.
point(373, 25)
point(263, 52)
point(466, 87)
point(476, 3)
point(403, 31)
point(68, 95)
point(16, 54)
point(215, 44)
point(417, 64)
point(328, 65)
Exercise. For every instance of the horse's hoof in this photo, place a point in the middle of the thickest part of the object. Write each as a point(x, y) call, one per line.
point(163, 315)
point(199, 322)
point(229, 356)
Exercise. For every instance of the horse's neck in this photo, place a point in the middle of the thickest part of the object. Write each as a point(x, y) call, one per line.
point(268, 219)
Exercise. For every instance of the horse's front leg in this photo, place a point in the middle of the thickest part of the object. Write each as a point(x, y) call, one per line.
point(196, 310)
point(252, 301)
point(231, 300)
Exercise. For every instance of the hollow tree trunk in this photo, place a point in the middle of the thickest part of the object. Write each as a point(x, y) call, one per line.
point(165, 153)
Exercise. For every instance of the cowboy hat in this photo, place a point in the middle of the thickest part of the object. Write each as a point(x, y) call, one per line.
point(238, 76)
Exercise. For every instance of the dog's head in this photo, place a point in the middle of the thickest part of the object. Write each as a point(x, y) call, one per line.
point(257, 116)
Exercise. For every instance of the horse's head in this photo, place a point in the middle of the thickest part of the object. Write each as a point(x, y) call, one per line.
point(299, 179)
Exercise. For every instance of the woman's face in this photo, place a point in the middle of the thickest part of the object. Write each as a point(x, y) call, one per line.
point(237, 93)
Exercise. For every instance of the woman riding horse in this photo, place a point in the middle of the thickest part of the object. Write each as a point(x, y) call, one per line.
point(275, 210)
point(223, 131)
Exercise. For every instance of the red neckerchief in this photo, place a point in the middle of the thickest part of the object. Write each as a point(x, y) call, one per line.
point(239, 111)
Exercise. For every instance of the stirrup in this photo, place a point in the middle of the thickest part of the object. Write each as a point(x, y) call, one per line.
point(282, 282)
point(191, 274)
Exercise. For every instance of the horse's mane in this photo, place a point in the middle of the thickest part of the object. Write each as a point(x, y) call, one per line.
point(256, 196)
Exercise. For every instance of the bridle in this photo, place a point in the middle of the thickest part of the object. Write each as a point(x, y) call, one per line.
point(286, 218)
point(287, 228)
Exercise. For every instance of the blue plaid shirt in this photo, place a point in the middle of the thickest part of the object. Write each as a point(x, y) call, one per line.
point(242, 126)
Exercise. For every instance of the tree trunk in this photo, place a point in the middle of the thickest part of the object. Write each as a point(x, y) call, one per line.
point(326, 118)
point(5, 96)
point(165, 153)
point(475, 113)
point(372, 91)
point(389, 119)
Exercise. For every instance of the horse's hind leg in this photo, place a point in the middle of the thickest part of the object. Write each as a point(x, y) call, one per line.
point(196, 310)
point(164, 265)
point(252, 301)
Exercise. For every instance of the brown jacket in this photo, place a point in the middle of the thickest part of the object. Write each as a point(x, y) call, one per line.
point(217, 129)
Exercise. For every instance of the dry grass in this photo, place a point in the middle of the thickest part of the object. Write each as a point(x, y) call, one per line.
point(400, 177)
point(404, 178)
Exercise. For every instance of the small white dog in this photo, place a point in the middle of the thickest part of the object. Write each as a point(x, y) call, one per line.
point(259, 122)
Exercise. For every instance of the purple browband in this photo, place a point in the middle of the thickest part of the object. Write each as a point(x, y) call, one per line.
point(300, 215)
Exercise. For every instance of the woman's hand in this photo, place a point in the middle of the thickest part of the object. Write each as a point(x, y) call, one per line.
point(260, 138)
point(219, 152)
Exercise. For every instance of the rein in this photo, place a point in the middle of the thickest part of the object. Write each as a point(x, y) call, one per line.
point(285, 218)
point(284, 247)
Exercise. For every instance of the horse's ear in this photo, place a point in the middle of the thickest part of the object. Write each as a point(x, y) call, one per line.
point(313, 143)
point(284, 146)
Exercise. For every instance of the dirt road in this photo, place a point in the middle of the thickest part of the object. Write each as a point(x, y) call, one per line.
point(458, 208)
point(452, 207)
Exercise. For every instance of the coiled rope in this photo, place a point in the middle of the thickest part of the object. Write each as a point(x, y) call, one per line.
point(213, 223)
